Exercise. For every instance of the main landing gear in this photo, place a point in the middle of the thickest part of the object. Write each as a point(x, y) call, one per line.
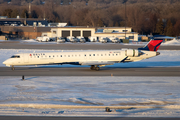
point(94, 67)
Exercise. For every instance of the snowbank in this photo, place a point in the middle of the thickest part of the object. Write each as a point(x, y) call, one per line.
point(172, 42)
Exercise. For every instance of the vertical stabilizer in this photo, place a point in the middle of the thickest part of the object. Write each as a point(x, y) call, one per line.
point(152, 45)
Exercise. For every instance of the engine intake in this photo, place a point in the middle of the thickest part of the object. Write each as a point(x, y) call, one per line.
point(133, 53)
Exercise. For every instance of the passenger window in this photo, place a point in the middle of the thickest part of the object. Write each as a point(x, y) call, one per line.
point(85, 55)
point(93, 54)
point(109, 54)
point(68, 55)
point(64, 55)
point(101, 54)
point(89, 54)
point(61, 55)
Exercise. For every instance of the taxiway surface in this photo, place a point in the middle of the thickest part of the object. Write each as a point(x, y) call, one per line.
point(85, 71)
point(79, 118)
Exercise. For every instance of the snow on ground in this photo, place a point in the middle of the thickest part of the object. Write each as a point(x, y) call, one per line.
point(175, 42)
point(32, 41)
point(159, 95)
point(167, 58)
point(172, 42)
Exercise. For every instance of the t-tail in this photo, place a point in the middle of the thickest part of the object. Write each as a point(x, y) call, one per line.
point(152, 45)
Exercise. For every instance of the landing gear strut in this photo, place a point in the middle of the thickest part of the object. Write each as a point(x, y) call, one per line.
point(12, 68)
point(94, 67)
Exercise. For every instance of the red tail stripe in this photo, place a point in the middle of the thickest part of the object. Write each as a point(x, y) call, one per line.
point(152, 44)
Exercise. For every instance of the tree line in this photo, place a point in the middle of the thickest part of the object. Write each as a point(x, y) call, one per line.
point(144, 16)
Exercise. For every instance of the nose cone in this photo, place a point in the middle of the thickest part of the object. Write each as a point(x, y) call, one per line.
point(7, 63)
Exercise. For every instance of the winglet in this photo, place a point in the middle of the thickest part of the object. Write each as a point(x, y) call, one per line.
point(152, 45)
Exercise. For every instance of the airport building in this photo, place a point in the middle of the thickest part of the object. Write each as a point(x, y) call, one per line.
point(33, 32)
point(28, 32)
point(23, 27)
point(32, 28)
point(86, 32)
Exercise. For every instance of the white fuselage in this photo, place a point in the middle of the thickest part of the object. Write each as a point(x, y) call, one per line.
point(94, 57)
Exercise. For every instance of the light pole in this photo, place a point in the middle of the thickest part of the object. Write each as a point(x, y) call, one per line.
point(125, 16)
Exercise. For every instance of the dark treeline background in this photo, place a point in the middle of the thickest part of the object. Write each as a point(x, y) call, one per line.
point(144, 16)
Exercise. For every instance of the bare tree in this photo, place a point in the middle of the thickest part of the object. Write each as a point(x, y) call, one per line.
point(7, 12)
point(142, 15)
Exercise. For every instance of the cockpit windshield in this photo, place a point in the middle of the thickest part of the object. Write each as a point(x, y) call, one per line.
point(15, 56)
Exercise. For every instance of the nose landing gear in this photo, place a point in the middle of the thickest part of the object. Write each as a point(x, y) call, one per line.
point(94, 67)
point(12, 68)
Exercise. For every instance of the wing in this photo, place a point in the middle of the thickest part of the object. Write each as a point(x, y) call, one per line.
point(101, 63)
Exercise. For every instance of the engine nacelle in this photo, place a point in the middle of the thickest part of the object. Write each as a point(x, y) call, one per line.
point(132, 53)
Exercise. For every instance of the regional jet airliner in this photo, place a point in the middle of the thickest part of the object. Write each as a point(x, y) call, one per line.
point(93, 58)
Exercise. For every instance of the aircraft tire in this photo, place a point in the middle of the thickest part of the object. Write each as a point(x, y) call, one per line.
point(92, 67)
point(97, 68)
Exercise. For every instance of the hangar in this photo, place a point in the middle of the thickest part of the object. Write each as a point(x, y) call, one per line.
point(86, 32)
point(72, 31)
